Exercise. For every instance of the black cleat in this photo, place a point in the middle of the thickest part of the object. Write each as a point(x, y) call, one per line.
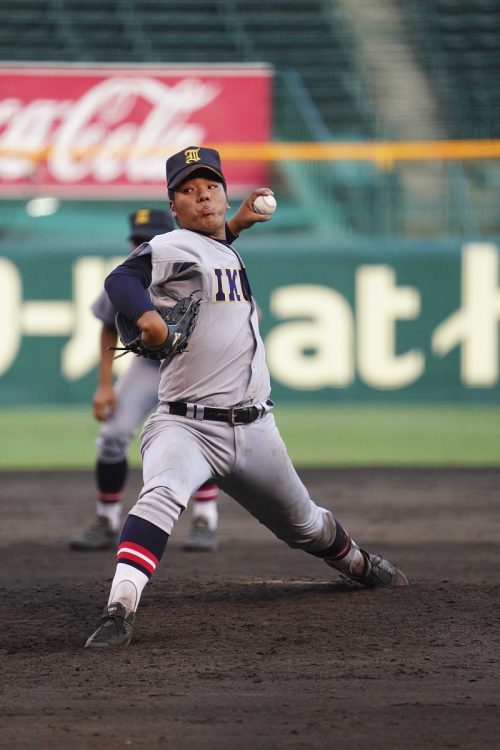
point(115, 628)
point(380, 572)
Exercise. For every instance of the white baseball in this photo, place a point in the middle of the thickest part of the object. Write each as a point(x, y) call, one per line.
point(264, 204)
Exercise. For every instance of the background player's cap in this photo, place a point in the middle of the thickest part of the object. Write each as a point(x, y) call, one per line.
point(146, 223)
point(193, 159)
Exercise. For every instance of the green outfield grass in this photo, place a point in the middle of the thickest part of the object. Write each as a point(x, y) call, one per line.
point(315, 435)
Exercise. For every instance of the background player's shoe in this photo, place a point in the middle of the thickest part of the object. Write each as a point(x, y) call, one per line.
point(380, 572)
point(115, 628)
point(99, 536)
point(201, 538)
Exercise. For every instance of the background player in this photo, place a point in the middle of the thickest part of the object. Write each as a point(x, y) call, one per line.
point(214, 417)
point(122, 409)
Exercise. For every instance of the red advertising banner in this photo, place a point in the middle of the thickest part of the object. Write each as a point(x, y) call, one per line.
point(85, 131)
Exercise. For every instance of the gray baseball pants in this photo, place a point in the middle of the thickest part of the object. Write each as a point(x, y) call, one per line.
point(249, 462)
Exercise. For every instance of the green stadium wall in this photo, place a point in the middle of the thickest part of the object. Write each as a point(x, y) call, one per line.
point(343, 322)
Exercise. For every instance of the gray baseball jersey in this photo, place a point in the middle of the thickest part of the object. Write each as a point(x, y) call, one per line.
point(223, 366)
point(104, 309)
point(233, 371)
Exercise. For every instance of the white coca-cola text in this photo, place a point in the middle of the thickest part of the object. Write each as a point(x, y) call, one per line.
point(121, 129)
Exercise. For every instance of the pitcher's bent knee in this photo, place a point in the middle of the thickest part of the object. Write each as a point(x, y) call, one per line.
point(312, 537)
point(160, 506)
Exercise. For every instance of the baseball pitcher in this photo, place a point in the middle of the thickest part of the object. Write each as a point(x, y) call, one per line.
point(214, 421)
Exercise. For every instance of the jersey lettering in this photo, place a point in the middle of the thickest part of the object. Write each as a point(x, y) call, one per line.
point(232, 274)
point(219, 296)
point(231, 285)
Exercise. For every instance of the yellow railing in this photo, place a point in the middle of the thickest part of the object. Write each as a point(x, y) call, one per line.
point(370, 151)
point(362, 151)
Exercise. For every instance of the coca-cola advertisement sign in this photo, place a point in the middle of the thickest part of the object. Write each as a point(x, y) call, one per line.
point(88, 131)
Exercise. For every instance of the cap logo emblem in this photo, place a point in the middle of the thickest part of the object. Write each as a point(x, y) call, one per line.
point(142, 216)
point(192, 155)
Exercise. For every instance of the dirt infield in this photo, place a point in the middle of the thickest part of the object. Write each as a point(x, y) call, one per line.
point(258, 646)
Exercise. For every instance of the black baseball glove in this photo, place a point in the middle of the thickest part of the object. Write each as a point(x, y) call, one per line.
point(180, 320)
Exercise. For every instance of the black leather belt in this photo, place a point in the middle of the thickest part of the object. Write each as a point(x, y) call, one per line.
point(234, 415)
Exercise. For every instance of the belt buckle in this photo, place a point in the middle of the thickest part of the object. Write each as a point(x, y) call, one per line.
point(231, 415)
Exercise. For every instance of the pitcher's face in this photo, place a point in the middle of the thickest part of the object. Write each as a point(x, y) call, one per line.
point(200, 204)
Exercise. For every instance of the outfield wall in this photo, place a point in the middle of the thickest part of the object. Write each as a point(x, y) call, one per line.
point(343, 322)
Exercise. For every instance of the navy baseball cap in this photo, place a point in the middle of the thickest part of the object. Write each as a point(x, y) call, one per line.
point(193, 159)
point(146, 223)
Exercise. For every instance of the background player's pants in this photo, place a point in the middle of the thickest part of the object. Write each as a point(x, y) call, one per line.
point(249, 462)
point(136, 393)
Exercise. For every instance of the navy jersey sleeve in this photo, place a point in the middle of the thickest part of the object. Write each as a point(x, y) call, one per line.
point(230, 237)
point(127, 286)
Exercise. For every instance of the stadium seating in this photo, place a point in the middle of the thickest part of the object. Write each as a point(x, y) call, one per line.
point(320, 91)
point(457, 42)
